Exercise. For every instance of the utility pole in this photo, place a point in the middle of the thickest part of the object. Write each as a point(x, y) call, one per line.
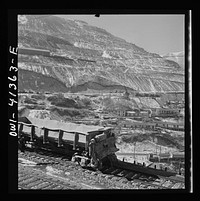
point(160, 153)
point(156, 149)
point(134, 149)
point(155, 140)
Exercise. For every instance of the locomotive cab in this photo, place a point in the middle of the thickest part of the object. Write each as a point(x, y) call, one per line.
point(101, 147)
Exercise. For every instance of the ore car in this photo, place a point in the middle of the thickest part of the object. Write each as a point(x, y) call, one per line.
point(88, 145)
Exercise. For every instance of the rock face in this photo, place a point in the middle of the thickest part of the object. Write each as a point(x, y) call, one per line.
point(88, 58)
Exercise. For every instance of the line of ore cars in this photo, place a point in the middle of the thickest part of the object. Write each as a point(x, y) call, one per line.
point(90, 146)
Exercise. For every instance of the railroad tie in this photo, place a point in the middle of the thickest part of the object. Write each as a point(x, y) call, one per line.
point(123, 172)
point(41, 185)
point(129, 175)
point(104, 168)
point(135, 176)
point(27, 181)
point(109, 170)
point(33, 183)
point(116, 171)
point(50, 187)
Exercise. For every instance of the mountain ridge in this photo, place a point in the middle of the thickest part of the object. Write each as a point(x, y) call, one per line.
point(94, 53)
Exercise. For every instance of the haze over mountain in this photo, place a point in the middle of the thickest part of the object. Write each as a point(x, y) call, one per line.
point(88, 58)
point(178, 57)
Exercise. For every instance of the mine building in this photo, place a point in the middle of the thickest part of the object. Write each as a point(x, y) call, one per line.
point(167, 156)
point(161, 157)
point(136, 124)
point(179, 126)
point(178, 157)
point(121, 113)
point(137, 113)
point(132, 114)
point(144, 114)
point(166, 112)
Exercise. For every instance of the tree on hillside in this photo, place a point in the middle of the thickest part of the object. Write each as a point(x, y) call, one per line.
point(107, 102)
point(86, 101)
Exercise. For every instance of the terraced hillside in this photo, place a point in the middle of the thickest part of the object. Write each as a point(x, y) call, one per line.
point(85, 57)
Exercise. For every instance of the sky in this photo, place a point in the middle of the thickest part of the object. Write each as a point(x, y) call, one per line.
point(159, 34)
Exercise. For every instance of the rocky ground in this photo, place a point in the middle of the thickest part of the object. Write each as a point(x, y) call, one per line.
point(51, 172)
point(145, 147)
point(29, 178)
point(148, 144)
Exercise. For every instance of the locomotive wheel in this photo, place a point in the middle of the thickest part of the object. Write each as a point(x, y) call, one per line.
point(105, 162)
point(100, 164)
point(112, 159)
point(74, 159)
point(21, 144)
point(83, 162)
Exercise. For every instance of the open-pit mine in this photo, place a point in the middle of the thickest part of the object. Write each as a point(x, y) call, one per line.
point(95, 111)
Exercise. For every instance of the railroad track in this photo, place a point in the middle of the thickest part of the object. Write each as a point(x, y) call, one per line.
point(32, 179)
point(146, 181)
point(107, 178)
